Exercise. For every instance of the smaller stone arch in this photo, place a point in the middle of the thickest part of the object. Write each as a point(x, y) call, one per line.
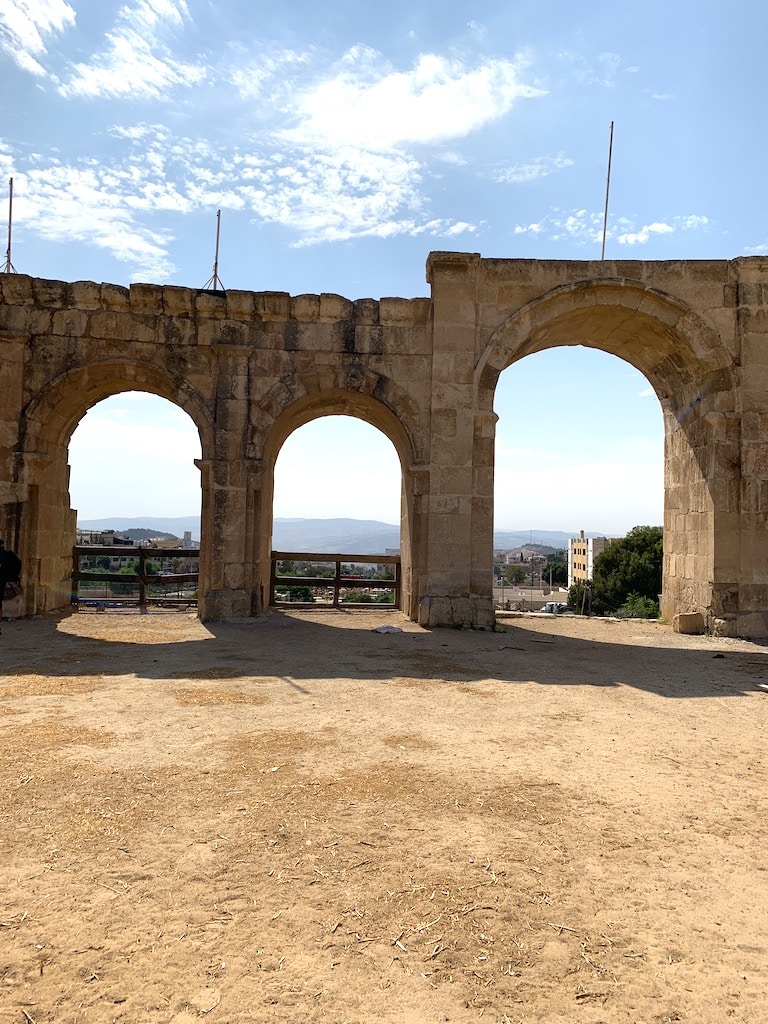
point(344, 390)
point(57, 409)
point(318, 401)
point(47, 422)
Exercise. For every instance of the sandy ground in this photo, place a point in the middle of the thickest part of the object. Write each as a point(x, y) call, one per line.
point(300, 819)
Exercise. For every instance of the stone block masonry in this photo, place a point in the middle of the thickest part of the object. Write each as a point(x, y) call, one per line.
point(251, 367)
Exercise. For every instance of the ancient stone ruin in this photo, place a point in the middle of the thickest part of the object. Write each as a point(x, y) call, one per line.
point(251, 367)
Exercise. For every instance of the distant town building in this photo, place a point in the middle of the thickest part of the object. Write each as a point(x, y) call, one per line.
point(102, 538)
point(582, 552)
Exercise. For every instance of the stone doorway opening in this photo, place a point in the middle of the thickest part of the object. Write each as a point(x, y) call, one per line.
point(337, 494)
point(579, 446)
point(134, 483)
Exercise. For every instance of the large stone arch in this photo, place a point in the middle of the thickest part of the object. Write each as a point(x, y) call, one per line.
point(296, 403)
point(696, 381)
point(47, 423)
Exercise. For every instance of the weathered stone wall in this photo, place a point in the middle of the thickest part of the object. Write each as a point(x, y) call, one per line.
point(236, 362)
point(250, 367)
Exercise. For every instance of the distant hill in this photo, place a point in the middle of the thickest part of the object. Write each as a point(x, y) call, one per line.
point(505, 539)
point(156, 525)
point(325, 536)
point(143, 534)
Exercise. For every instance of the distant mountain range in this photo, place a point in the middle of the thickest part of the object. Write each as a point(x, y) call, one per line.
point(324, 536)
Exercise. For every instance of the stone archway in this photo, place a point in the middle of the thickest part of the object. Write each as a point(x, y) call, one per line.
point(239, 361)
point(695, 380)
point(43, 471)
point(337, 401)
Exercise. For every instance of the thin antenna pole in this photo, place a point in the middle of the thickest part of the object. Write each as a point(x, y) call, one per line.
point(214, 281)
point(8, 267)
point(607, 192)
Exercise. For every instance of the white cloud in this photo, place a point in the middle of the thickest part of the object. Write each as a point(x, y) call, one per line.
point(367, 104)
point(586, 228)
point(539, 167)
point(24, 24)
point(321, 197)
point(269, 76)
point(693, 222)
point(641, 237)
point(68, 203)
point(352, 161)
point(135, 61)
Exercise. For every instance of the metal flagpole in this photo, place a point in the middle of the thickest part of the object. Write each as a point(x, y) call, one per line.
point(214, 281)
point(607, 191)
point(8, 267)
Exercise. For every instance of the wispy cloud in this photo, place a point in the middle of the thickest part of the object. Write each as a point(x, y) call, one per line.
point(604, 69)
point(89, 204)
point(583, 227)
point(642, 235)
point(135, 61)
point(270, 76)
point(25, 25)
point(319, 197)
point(352, 161)
point(539, 167)
point(579, 226)
point(328, 149)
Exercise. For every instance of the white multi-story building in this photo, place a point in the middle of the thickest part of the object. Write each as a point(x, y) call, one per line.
point(582, 552)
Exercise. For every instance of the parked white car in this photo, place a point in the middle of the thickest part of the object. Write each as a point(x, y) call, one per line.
point(556, 608)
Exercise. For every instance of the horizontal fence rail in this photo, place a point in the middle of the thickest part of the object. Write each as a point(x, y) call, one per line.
point(102, 588)
point(334, 588)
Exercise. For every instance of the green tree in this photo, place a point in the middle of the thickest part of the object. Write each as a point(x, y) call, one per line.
point(357, 597)
point(515, 575)
point(579, 598)
point(630, 566)
point(555, 570)
point(151, 568)
point(637, 607)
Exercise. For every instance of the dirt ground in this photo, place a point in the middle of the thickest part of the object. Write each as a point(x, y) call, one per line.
point(301, 819)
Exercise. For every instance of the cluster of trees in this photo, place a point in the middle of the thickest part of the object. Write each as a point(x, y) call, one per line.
point(626, 577)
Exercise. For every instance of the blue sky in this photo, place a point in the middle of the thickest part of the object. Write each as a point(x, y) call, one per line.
point(342, 142)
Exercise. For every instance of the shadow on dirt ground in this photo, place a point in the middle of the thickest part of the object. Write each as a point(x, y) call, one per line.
point(339, 644)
